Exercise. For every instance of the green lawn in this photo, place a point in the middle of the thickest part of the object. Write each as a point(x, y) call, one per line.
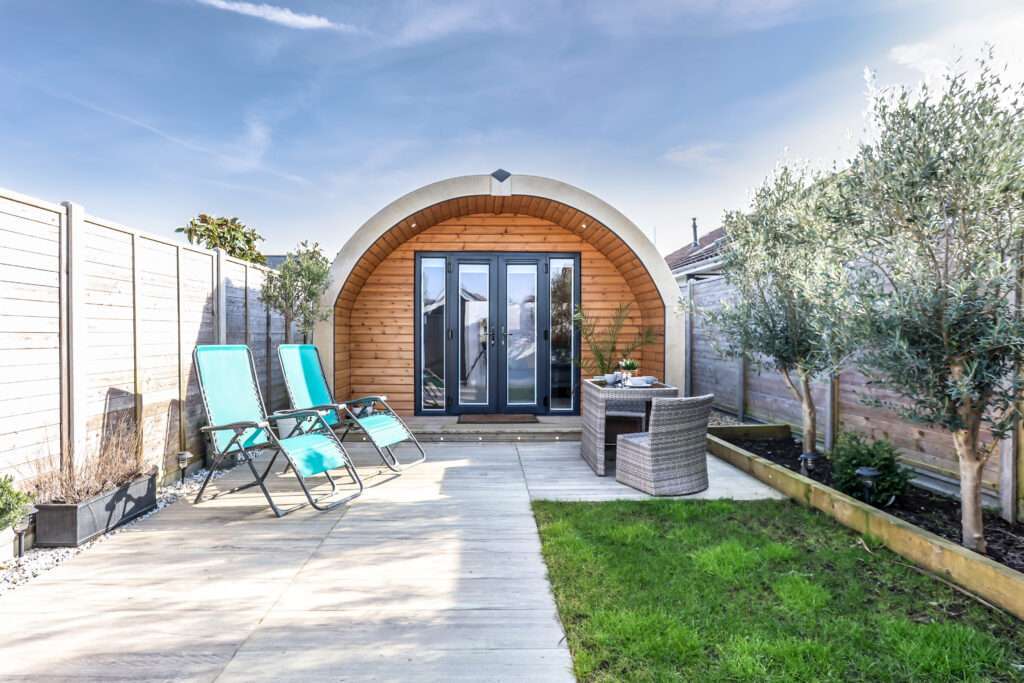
point(758, 591)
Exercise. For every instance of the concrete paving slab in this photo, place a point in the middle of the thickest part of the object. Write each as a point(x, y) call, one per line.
point(433, 575)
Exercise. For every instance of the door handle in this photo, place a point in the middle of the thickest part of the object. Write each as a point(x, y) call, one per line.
point(492, 336)
point(504, 334)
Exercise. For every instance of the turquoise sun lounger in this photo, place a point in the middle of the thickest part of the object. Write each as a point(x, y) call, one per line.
point(371, 415)
point(239, 426)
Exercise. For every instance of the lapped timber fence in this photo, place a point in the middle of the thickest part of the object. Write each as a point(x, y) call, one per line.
point(97, 326)
point(762, 395)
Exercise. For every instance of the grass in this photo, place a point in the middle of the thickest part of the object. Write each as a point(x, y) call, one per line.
point(756, 591)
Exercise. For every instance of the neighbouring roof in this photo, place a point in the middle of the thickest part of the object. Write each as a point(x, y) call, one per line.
point(708, 246)
point(275, 260)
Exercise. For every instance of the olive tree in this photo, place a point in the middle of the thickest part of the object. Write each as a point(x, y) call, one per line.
point(784, 260)
point(937, 199)
point(295, 288)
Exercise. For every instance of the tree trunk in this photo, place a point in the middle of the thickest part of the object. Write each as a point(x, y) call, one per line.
point(810, 414)
point(971, 461)
point(287, 330)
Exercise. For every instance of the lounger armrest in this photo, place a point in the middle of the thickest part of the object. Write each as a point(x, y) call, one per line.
point(289, 414)
point(235, 426)
point(367, 399)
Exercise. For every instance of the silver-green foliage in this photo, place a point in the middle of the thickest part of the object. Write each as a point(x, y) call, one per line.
point(937, 205)
point(784, 259)
point(295, 288)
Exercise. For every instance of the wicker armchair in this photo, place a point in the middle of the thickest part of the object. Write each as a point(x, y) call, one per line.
point(671, 458)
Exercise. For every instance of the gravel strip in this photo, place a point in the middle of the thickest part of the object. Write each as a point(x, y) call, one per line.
point(37, 561)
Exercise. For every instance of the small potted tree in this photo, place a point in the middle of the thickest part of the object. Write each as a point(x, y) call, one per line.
point(295, 288)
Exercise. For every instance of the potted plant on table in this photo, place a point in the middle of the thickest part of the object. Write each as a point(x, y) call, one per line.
point(629, 367)
point(604, 344)
point(88, 497)
point(12, 505)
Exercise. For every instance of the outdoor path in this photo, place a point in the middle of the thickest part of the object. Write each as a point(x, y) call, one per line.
point(434, 575)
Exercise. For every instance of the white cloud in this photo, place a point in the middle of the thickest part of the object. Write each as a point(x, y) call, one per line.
point(279, 15)
point(965, 40)
point(701, 154)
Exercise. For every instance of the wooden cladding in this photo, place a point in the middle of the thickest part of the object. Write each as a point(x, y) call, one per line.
point(374, 325)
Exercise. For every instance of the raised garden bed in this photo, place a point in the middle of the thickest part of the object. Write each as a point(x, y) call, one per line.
point(938, 514)
point(68, 525)
point(993, 580)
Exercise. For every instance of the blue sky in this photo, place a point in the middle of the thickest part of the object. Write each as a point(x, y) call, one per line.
point(304, 118)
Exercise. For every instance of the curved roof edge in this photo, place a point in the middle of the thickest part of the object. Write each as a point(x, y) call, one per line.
point(464, 186)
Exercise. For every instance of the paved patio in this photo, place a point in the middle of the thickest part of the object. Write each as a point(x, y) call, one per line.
point(434, 575)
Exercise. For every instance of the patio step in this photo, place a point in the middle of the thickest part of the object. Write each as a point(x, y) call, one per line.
point(447, 428)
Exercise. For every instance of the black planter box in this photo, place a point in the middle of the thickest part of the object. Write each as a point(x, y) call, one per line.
point(64, 525)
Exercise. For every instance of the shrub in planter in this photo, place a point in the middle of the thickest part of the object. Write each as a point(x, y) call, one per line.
point(12, 505)
point(92, 495)
point(852, 452)
point(12, 502)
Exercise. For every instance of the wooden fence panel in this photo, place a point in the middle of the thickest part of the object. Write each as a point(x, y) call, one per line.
point(258, 325)
point(197, 283)
point(234, 277)
point(711, 374)
point(770, 400)
point(925, 448)
point(31, 235)
point(159, 350)
point(110, 357)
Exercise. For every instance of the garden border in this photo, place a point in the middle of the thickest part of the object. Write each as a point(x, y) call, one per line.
point(996, 583)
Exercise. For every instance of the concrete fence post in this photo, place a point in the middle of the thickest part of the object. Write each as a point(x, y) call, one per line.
point(741, 390)
point(221, 297)
point(77, 334)
point(1009, 460)
point(832, 411)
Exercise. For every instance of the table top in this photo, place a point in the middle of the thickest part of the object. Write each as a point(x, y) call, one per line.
point(601, 385)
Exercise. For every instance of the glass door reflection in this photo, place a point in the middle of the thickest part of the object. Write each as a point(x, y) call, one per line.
point(474, 328)
point(520, 334)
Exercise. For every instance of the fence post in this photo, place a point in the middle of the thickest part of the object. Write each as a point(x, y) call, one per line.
point(137, 350)
point(741, 391)
point(688, 341)
point(1009, 460)
point(77, 334)
point(220, 289)
point(832, 406)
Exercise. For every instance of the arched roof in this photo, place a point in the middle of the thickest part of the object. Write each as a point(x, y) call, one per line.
point(559, 202)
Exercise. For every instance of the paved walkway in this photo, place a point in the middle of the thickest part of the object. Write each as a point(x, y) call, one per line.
point(435, 575)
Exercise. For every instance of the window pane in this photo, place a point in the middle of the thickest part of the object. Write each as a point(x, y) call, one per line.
point(432, 332)
point(474, 309)
point(563, 331)
point(521, 348)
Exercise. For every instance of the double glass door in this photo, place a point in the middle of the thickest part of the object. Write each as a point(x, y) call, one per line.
point(495, 333)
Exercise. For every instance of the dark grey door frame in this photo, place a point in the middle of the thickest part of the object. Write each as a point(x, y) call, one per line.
point(497, 348)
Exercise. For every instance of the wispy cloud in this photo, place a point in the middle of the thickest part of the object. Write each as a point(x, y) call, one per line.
point(280, 15)
point(246, 155)
point(701, 154)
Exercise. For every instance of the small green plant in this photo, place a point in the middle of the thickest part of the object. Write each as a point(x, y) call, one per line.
point(12, 501)
point(604, 344)
point(851, 452)
point(629, 364)
point(229, 234)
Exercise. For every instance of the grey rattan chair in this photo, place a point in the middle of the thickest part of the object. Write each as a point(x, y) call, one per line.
point(671, 458)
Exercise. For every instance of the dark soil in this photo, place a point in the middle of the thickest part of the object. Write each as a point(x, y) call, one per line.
point(938, 514)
